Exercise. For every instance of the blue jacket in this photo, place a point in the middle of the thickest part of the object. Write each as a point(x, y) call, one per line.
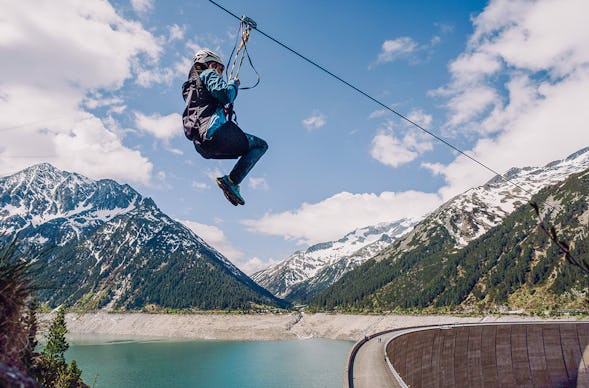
point(225, 92)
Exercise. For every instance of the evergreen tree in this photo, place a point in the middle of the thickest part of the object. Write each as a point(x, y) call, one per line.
point(20, 365)
point(52, 369)
point(57, 344)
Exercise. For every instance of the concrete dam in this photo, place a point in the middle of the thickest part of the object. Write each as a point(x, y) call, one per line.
point(550, 354)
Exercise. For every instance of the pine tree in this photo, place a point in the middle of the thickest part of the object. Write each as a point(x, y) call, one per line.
point(56, 341)
point(53, 370)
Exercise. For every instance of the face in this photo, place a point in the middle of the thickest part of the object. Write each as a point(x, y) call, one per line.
point(218, 67)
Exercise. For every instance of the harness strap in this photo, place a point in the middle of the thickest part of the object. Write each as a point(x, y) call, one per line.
point(188, 118)
point(244, 33)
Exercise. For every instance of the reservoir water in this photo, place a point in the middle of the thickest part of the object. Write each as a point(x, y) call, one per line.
point(108, 362)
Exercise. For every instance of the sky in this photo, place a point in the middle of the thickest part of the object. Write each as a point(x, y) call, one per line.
point(94, 87)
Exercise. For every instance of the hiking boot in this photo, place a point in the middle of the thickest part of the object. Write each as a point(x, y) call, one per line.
point(230, 190)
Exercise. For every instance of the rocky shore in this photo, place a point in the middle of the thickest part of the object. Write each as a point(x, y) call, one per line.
point(255, 326)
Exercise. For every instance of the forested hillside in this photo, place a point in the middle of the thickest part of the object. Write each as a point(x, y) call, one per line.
point(101, 245)
point(512, 266)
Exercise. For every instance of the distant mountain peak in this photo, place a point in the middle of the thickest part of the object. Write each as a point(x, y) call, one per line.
point(575, 155)
point(304, 273)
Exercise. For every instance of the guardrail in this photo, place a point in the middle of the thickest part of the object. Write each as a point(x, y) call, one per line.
point(349, 378)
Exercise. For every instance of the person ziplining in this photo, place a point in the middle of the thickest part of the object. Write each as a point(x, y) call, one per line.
point(208, 122)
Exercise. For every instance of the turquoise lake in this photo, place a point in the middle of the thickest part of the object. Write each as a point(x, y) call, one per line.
point(112, 363)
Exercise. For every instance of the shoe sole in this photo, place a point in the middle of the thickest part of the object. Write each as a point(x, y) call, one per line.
point(229, 194)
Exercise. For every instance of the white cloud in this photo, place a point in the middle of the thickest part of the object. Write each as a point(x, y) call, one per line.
point(522, 85)
point(418, 141)
point(254, 265)
point(98, 100)
point(340, 214)
point(176, 33)
point(419, 117)
point(147, 77)
point(117, 109)
point(317, 120)
point(471, 104)
point(83, 148)
point(162, 127)
point(142, 6)
point(84, 47)
point(258, 183)
point(393, 151)
point(540, 35)
point(378, 113)
point(215, 237)
point(394, 48)
point(200, 186)
point(474, 66)
point(552, 128)
point(434, 168)
point(214, 173)
point(390, 151)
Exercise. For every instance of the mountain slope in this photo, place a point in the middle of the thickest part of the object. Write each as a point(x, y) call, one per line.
point(305, 273)
point(102, 245)
point(464, 218)
point(471, 241)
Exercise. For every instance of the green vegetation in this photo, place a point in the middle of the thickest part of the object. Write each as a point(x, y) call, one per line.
point(20, 364)
point(51, 368)
point(133, 275)
point(203, 285)
point(513, 266)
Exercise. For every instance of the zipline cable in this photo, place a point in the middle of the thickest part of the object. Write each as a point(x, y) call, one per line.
point(376, 101)
point(358, 90)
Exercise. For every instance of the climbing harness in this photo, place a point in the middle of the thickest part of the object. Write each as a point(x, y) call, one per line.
point(240, 49)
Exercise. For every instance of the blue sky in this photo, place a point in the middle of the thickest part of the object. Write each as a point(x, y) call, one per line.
point(94, 87)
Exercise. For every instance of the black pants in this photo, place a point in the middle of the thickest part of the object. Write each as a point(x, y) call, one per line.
point(230, 142)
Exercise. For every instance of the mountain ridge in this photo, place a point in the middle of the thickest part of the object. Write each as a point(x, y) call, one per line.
point(471, 214)
point(306, 272)
point(465, 217)
point(102, 245)
point(509, 259)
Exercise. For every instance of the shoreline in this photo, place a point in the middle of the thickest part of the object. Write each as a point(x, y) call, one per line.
point(256, 327)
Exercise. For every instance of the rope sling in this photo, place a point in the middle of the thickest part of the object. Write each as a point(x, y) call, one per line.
point(245, 27)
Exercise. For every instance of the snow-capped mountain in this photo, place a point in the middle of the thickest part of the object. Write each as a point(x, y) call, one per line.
point(305, 273)
point(465, 217)
point(60, 206)
point(513, 266)
point(99, 244)
point(469, 215)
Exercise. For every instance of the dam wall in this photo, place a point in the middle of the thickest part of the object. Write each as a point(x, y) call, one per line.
point(509, 355)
